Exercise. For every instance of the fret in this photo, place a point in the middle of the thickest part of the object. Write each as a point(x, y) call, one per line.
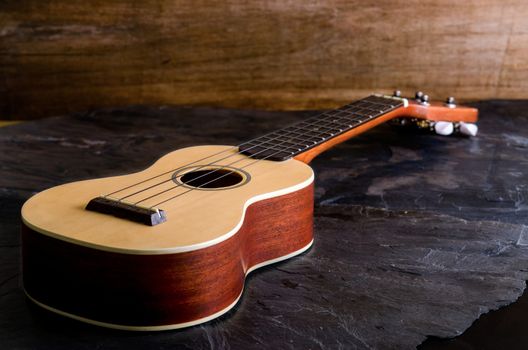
point(374, 107)
point(362, 118)
point(338, 123)
point(361, 104)
point(278, 147)
point(330, 131)
point(377, 99)
point(346, 121)
point(303, 134)
point(286, 143)
point(363, 112)
point(351, 118)
point(337, 113)
point(377, 108)
point(343, 121)
point(317, 126)
point(273, 145)
point(262, 152)
point(305, 125)
point(302, 140)
point(308, 137)
point(357, 103)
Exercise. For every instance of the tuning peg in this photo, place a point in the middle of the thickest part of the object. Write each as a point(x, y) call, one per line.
point(418, 95)
point(425, 100)
point(469, 129)
point(450, 102)
point(396, 93)
point(444, 128)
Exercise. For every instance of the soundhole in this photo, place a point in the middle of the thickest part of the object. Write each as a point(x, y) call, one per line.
point(211, 178)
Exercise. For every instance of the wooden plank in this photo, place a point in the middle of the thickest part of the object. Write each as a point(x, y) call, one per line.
point(60, 56)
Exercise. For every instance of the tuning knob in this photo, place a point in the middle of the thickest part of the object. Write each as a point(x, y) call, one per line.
point(425, 100)
point(468, 129)
point(444, 128)
point(450, 102)
point(396, 93)
point(418, 95)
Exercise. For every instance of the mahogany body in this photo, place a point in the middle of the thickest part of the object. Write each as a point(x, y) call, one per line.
point(165, 291)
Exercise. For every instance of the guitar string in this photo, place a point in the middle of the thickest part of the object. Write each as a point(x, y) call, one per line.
point(258, 160)
point(218, 178)
point(170, 171)
point(231, 172)
point(260, 145)
point(278, 151)
point(338, 120)
point(346, 108)
point(316, 122)
point(224, 151)
point(205, 165)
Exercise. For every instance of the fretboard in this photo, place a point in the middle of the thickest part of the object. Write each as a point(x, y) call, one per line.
point(295, 139)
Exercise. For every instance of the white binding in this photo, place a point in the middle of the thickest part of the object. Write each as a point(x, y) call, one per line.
point(171, 326)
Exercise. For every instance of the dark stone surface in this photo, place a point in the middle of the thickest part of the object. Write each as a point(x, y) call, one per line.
point(416, 235)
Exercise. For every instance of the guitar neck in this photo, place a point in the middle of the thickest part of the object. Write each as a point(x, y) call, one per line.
point(305, 140)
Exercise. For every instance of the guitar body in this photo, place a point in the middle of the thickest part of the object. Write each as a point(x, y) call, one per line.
point(122, 274)
point(170, 246)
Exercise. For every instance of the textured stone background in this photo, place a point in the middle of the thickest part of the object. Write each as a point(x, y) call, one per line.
point(417, 235)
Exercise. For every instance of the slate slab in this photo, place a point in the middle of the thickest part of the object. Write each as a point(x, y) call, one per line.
point(417, 235)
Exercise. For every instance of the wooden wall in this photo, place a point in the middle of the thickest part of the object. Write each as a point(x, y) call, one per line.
point(58, 56)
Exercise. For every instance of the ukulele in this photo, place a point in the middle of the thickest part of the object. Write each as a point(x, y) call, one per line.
point(170, 246)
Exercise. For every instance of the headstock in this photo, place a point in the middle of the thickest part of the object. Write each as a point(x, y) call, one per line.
point(442, 118)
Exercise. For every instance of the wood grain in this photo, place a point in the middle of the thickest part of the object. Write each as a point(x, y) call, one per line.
point(59, 56)
point(169, 289)
point(185, 228)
